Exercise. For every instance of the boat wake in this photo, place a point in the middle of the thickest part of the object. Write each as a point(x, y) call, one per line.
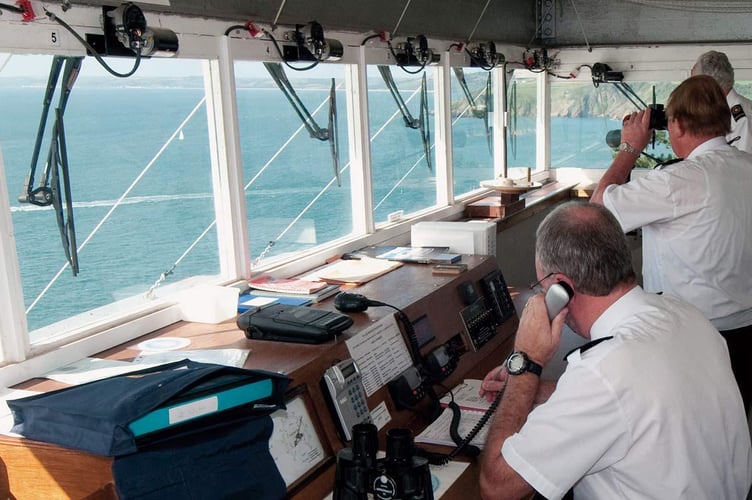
point(125, 201)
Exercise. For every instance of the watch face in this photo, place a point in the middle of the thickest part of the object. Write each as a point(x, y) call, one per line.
point(516, 363)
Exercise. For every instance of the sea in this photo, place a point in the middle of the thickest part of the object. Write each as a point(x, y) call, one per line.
point(141, 184)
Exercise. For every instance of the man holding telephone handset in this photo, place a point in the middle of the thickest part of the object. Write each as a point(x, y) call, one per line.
point(648, 408)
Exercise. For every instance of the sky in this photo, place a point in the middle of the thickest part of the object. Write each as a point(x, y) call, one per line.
point(38, 65)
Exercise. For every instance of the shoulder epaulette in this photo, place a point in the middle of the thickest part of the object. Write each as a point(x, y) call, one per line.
point(737, 112)
point(587, 346)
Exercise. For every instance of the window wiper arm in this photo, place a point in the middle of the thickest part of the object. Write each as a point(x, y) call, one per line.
point(61, 195)
point(487, 117)
point(42, 196)
point(386, 75)
point(330, 133)
point(479, 111)
point(54, 187)
point(630, 94)
point(334, 132)
point(423, 122)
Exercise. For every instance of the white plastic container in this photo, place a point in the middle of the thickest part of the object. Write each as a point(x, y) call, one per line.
point(209, 304)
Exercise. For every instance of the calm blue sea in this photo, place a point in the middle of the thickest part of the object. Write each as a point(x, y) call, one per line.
point(114, 134)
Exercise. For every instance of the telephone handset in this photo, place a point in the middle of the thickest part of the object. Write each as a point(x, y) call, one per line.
point(346, 396)
point(557, 297)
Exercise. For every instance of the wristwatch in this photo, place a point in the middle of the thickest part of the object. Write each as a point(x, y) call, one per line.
point(627, 147)
point(518, 363)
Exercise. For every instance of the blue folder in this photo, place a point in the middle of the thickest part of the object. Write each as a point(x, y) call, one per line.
point(200, 406)
point(243, 300)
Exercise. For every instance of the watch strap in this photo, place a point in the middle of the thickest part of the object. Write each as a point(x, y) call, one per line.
point(533, 367)
point(528, 366)
point(627, 148)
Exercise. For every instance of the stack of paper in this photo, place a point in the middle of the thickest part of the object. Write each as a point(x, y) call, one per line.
point(421, 255)
point(309, 290)
point(286, 285)
point(355, 271)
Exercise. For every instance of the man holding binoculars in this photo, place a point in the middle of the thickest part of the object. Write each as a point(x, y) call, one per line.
point(695, 214)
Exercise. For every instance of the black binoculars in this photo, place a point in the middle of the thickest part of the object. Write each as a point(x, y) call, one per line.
point(400, 475)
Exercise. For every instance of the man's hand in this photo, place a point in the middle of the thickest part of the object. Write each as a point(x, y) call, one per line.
point(493, 382)
point(538, 338)
point(635, 132)
point(636, 129)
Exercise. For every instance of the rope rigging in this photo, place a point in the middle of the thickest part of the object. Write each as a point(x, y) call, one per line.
point(120, 200)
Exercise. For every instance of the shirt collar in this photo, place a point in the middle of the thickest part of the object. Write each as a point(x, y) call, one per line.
point(709, 145)
point(627, 305)
point(732, 96)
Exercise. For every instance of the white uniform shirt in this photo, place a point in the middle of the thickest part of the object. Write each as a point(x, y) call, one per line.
point(654, 413)
point(741, 110)
point(696, 220)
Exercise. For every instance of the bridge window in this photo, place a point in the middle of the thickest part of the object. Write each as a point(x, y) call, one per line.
point(582, 116)
point(141, 189)
point(472, 146)
point(522, 126)
point(296, 169)
point(402, 144)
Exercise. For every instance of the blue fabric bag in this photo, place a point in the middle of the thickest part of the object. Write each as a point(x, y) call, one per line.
point(227, 461)
point(96, 416)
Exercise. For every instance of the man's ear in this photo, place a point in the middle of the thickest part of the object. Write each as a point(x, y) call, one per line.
point(679, 129)
point(565, 279)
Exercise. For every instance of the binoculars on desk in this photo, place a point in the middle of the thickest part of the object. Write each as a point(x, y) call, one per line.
point(360, 475)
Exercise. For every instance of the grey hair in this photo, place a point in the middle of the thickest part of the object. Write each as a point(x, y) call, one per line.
point(585, 242)
point(717, 65)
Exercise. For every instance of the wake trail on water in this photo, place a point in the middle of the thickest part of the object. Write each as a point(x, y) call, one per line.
point(125, 201)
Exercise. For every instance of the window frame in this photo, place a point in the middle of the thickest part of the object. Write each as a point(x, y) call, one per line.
point(20, 361)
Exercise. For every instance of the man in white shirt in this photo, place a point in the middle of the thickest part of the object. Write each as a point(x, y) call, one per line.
point(717, 65)
point(647, 409)
point(695, 215)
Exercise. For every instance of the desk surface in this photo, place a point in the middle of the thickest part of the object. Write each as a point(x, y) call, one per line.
point(52, 472)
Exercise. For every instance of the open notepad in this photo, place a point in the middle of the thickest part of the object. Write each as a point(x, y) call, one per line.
point(467, 396)
point(473, 407)
point(356, 271)
point(438, 431)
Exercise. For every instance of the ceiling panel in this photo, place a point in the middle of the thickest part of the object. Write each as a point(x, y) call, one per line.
point(497, 20)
